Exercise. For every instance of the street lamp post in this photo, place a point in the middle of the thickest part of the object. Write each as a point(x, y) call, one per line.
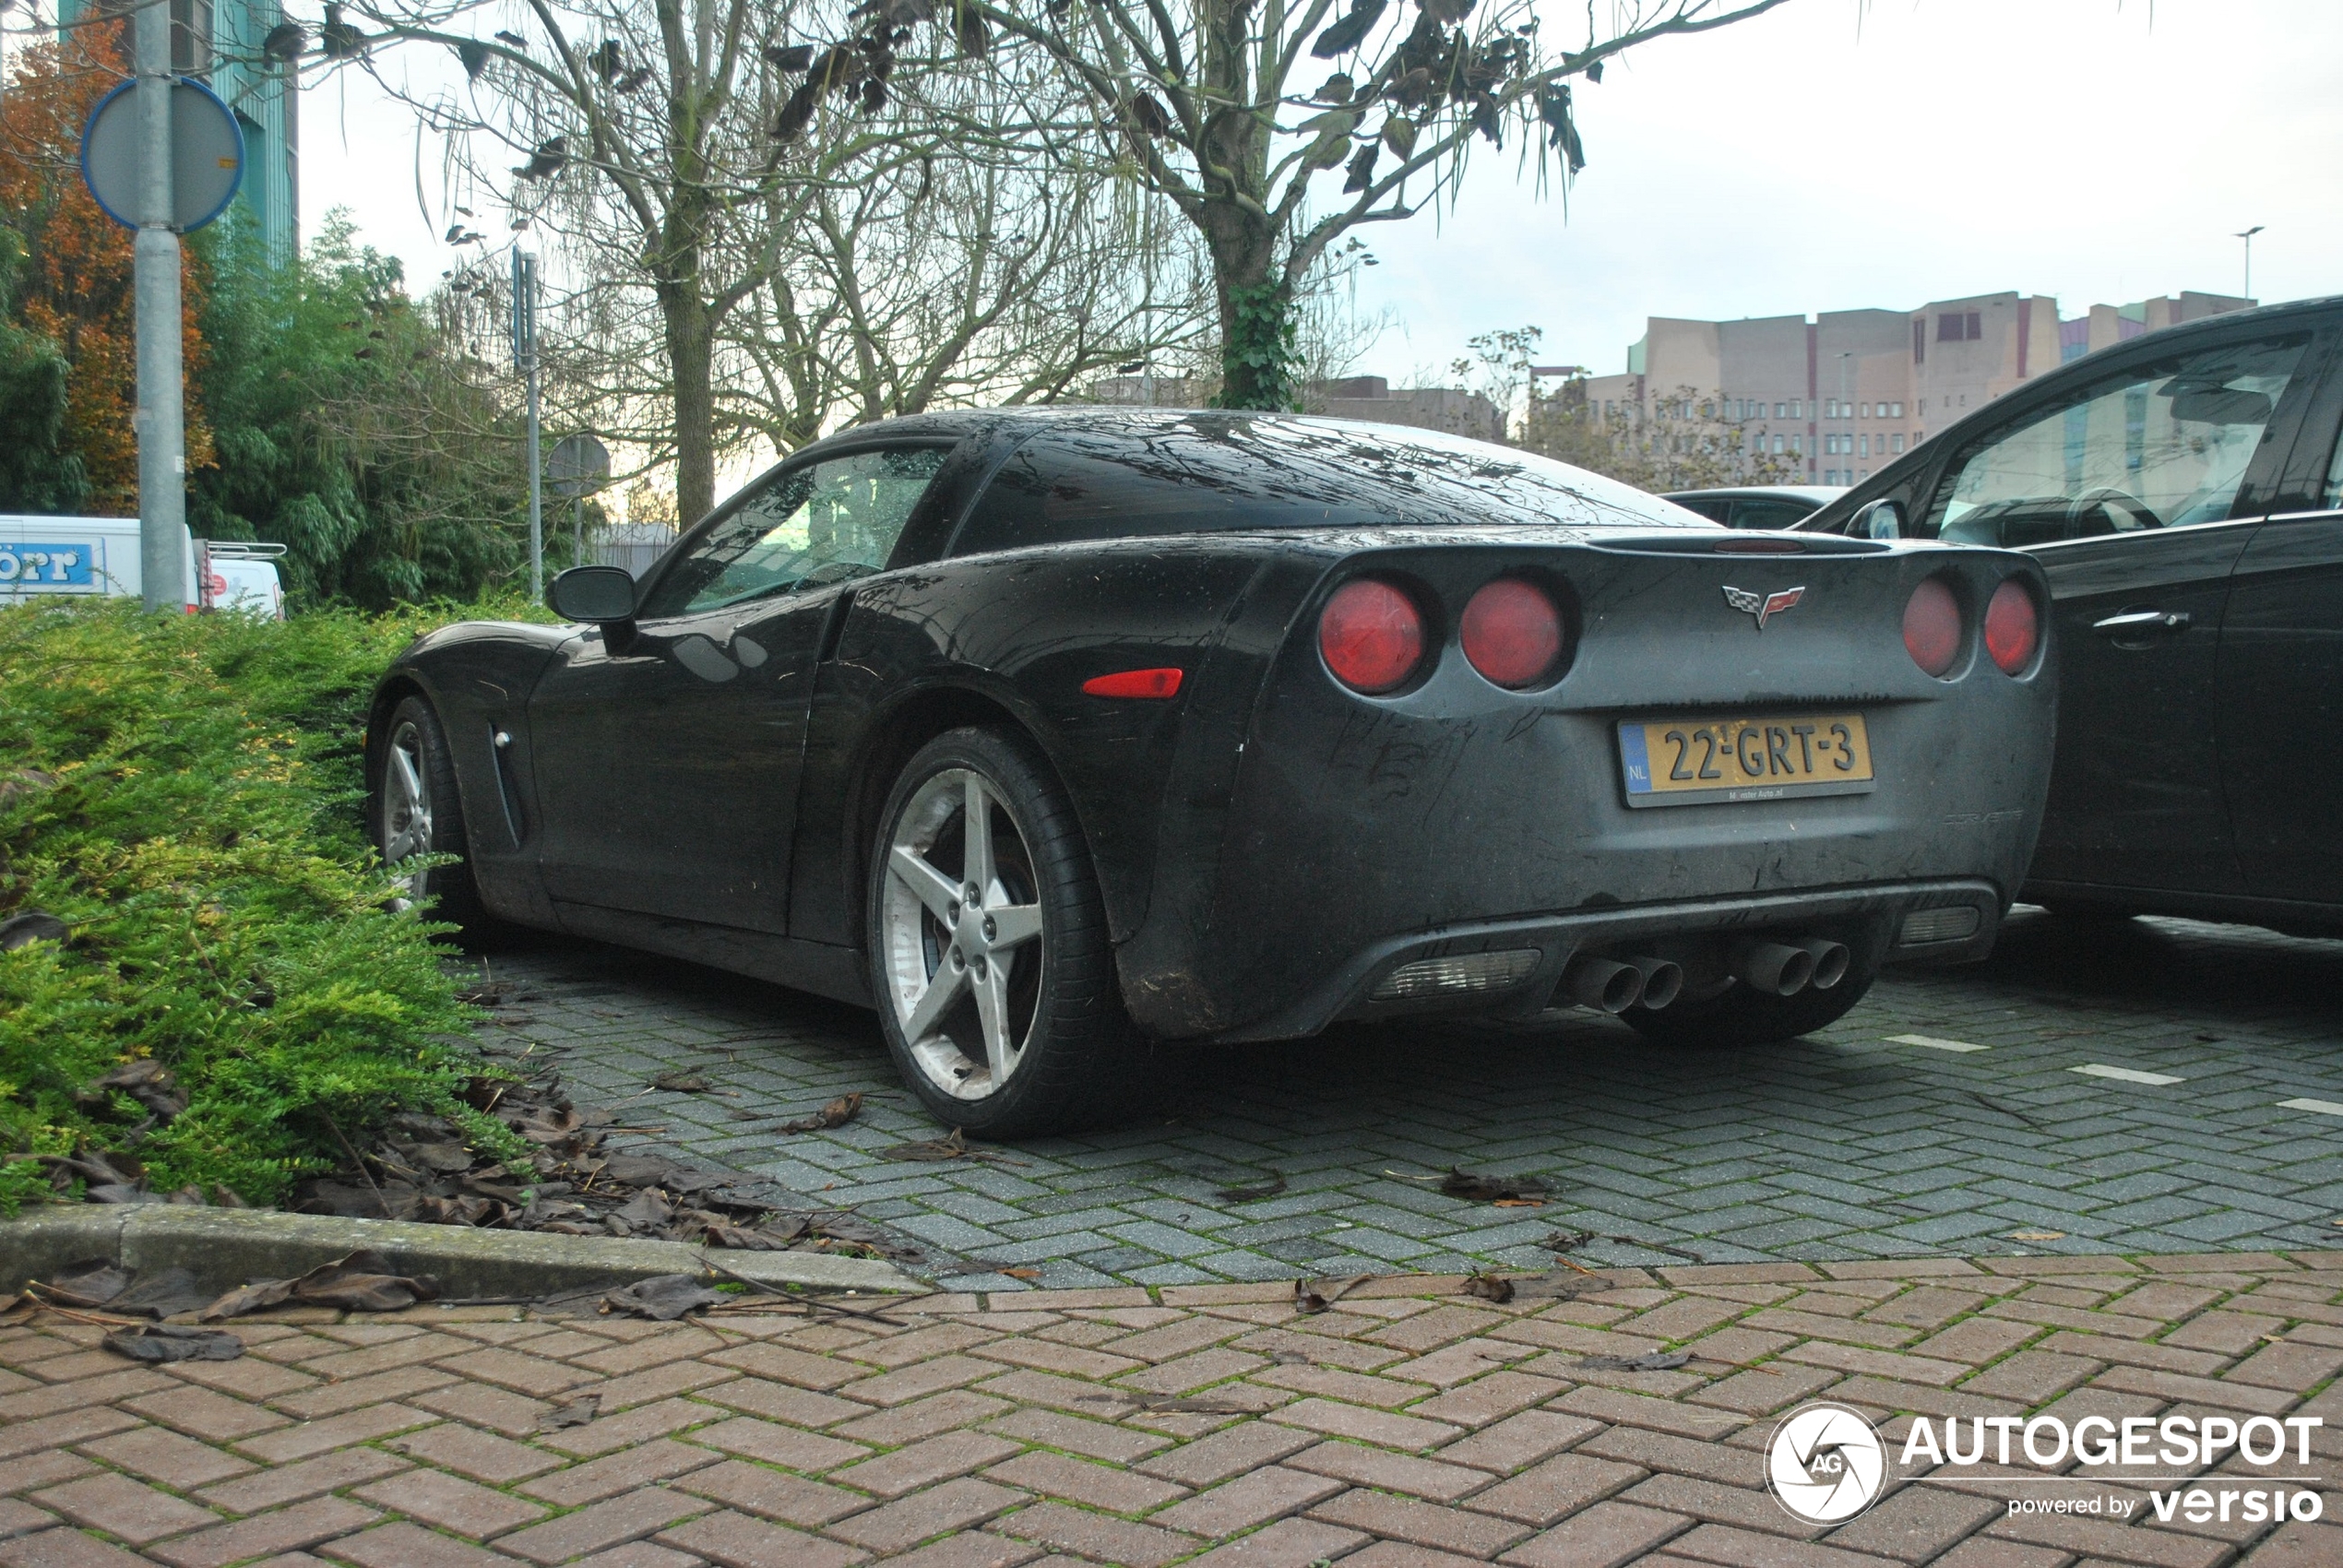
point(2247, 235)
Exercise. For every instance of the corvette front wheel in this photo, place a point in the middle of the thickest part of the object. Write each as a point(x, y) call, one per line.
point(990, 962)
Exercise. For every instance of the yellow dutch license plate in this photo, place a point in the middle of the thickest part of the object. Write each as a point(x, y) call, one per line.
point(1686, 762)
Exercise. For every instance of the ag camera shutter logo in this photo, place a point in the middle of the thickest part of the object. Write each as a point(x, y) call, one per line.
point(1825, 1464)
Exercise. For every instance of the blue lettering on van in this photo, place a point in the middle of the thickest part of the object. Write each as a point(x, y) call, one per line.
point(40, 566)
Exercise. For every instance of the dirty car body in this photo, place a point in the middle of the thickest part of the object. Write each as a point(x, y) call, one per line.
point(1656, 743)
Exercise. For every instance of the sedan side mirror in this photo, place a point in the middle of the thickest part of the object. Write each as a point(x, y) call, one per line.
point(599, 594)
point(1881, 520)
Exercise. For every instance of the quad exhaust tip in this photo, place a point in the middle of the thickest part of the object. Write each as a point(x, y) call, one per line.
point(1612, 985)
point(1786, 968)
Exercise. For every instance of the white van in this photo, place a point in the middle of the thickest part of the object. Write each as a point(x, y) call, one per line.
point(99, 556)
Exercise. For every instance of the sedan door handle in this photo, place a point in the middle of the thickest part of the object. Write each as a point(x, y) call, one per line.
point(2142, 623)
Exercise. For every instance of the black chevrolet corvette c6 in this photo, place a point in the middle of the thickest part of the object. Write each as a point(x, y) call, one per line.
point(1058, 735)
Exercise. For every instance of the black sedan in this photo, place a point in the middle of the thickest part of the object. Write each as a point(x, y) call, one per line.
point(1058, 736)
point(2185, 494)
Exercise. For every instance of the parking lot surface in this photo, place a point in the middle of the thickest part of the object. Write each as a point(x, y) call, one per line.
point(2099, 1086)
point(1405, 1426)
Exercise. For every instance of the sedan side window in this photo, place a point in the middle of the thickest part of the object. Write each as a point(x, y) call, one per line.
point(2158, 448)
point(822, 524)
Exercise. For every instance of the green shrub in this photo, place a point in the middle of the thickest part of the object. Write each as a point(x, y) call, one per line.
point(184, 791)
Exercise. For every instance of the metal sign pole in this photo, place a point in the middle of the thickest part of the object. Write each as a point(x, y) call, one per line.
point(160, 421)
point(524, 352)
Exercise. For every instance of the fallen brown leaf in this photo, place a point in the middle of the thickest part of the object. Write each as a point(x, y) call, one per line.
point(1655, 1360)
point(837, 1113)
point(1489, 1286)
point(575, 1411)
point(1022, 1273)
point(2038, 1235)
point(1462, 1183)
point(682, 1083)
point(1254, 1193)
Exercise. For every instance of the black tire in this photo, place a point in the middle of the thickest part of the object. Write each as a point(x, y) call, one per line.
point(413, 735)
point(1740, 1017)
point(1074, 1059)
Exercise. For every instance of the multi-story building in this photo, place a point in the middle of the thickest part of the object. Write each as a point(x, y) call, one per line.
point(220, 43)
point(1848, 391)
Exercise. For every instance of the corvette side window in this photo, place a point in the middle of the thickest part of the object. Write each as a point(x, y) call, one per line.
point(820, 525)
point(2158, 448)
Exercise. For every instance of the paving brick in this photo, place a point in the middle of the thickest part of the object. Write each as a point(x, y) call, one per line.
point(602, 1524)
point(2100, 1537)
point(773, 1494)
point(642, 1465)
point(782, 1402)
point(1916, 1523)
point(1555, 1488)
point(735, 1540)
point(287, 1443)
point(167, 1458)
point(1229, 1452)
point(499, 1461)
point(123, 1508)
point(64, 1549)
point(1379, 1427)
point(281, 1484)
point(1270, 1492)
point(956, 1505)
point(285, 1529)
point(1747, 1549)
point(608, 1435)
point(453, 1503)
point(971, 1548)
point(30, 1472)
point(1097, 1438)
point(1439, 1526)
point(1602, 1537)
point(498, 1409)
point(516, 1370)
point(778, 1444)
point(403, 1545)
point(18, 1517)
point(1399, 1554)
point(924, 1463)
point(50, 1434)
point(1096, 1535)
point(1289, 1543)
point(1518, 1442)
point(1387, 1471)
point(640, 1554)
point(1108, 1487)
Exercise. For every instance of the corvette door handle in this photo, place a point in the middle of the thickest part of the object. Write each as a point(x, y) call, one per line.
point(2142, 623)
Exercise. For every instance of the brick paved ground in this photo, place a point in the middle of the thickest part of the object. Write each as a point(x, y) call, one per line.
point(1852, 1144)
point(1409, 1426)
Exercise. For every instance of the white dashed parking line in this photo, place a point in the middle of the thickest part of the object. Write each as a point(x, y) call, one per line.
point(2126, 1075)
point(1933, 1044)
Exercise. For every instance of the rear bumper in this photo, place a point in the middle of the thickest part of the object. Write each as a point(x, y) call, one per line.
point(1874, 914)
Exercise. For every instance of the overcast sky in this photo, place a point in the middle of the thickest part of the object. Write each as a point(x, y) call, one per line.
point(1830, 155)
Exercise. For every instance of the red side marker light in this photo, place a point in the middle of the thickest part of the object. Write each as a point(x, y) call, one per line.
point(1135, 684)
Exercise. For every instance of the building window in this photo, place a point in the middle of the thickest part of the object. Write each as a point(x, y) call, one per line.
point(1778, 446)
point(1960, 326)
point(1919, 342)
point(1866, 410)
point(1895, 411)
point(1898, 440)
point(1798, 443)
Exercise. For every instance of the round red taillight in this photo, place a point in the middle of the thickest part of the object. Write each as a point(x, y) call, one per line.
point(1932, 627)
point(2013, 626)
point(1371, 635)
point(1511, 633)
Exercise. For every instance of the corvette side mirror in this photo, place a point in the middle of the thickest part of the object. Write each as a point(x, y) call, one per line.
point(599, 594)
point(1881, 520)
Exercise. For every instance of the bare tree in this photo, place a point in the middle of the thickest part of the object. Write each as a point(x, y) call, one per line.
point(1683, 442)
point(1207, 96)
point(766, 215)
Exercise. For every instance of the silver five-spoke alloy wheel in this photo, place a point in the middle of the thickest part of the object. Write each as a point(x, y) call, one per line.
point(406, 808)
point(960, 927)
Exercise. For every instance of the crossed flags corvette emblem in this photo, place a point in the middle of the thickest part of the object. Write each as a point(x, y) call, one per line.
point(1762, 605)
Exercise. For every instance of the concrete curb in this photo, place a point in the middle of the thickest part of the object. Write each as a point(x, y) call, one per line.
point(224, 1248)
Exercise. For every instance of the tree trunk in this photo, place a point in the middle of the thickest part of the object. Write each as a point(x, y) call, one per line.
point(691, 362)
point(1259, 353)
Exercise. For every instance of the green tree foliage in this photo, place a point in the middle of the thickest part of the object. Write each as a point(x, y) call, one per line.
point(349, 427)
point(182, 792)
point(37, 474)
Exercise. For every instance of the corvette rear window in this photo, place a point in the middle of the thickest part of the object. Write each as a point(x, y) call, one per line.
point(1219, 472)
